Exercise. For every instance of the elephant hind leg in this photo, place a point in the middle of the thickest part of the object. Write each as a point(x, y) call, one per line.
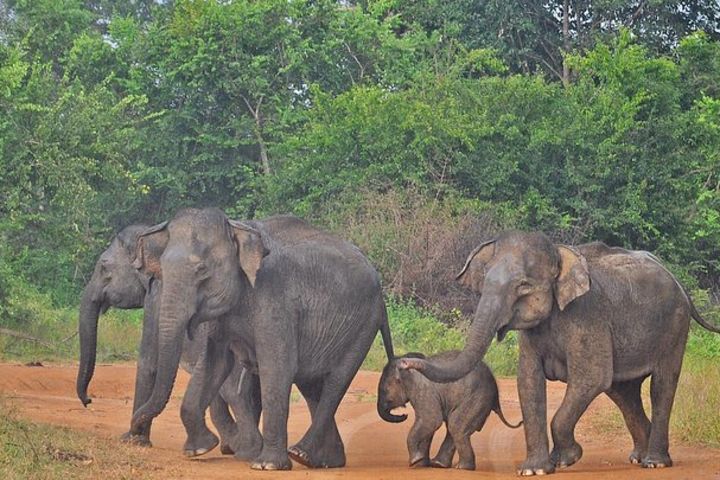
point(445, 454)
point(626, 396)
point(224, 423)
point(662, 396)
point(244, 437)
point(467, 419)
point(331, 445)
point(321, 446)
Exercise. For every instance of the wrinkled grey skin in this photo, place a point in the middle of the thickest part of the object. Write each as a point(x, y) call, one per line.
point(463, 405)
point(303, 304)
point(116, 283)
point(600, 319)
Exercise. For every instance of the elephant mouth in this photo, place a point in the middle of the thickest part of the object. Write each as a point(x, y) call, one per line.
point(401, 410)
point(502, 331)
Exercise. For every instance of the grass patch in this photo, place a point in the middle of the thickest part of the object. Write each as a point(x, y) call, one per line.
point(415, 329)
point(697, 401)
point(42, 452)
point(24, 309)
point(118, 337)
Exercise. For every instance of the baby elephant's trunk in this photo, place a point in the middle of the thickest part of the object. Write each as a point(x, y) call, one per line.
point(384, 411)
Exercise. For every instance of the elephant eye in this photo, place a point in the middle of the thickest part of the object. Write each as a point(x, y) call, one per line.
point(201, 269)
point(104, 270)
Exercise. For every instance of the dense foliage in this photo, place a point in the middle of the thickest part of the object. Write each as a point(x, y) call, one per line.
point(589, 120)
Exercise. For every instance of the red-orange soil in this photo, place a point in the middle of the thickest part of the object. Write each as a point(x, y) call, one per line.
point(375, 449)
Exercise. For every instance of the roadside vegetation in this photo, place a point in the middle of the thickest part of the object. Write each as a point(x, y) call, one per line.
point(42, 452)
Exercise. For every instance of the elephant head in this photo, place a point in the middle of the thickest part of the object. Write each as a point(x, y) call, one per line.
point(391, 393)
point(114, 283)
point(521, 277)
point(207, 264)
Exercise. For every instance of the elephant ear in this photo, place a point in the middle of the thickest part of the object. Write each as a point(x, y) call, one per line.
point(150, 246)
point(472, 274)
point(573, 280)
point(250, 248)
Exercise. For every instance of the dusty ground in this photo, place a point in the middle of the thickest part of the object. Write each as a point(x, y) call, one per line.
point(375, 449)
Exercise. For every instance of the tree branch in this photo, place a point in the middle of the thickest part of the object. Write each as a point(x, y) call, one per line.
point(25, 336)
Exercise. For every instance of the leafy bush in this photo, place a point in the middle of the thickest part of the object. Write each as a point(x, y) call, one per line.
point(416, 329)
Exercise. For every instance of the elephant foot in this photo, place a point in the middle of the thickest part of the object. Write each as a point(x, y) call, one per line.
point(534, 467)
point(271, 462)
point(465, 465)
point(636, 457)
point(440, 463)
point(564, 457)
point(419, 460)
point(200, 445)
point(656, 460)
point(138, 440)
point(226, 449)
point(320, 460)
point(247, 446)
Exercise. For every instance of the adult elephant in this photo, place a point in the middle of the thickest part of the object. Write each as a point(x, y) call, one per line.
point(116, 283)
point(600, 319)
point(304, 304)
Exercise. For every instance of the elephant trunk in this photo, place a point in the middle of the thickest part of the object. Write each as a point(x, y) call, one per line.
point(174, 318)
point(384, 412)
point(488, 317)
point(90, 308)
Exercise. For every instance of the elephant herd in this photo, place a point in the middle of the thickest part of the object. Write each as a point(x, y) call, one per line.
point(250, 308)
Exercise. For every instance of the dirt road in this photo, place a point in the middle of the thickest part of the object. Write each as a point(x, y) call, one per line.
point(375, 449)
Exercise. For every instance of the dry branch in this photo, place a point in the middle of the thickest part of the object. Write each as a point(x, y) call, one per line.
point(25, 336)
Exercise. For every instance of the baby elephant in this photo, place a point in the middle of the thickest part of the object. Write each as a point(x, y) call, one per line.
point(463, 405)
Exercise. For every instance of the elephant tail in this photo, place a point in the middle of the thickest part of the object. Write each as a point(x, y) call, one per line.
point(498, 411)
point(385, 333)
point(693, 311)
point(698, 318)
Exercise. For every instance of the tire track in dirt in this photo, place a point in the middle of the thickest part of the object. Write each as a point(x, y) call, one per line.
point(375, 449)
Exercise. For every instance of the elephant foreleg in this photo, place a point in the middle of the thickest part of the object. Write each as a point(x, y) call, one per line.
point(211, 370)
point(277, 366)
point(533, 403)
point(585, 381)
point(146, 367)
point(420, 438)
